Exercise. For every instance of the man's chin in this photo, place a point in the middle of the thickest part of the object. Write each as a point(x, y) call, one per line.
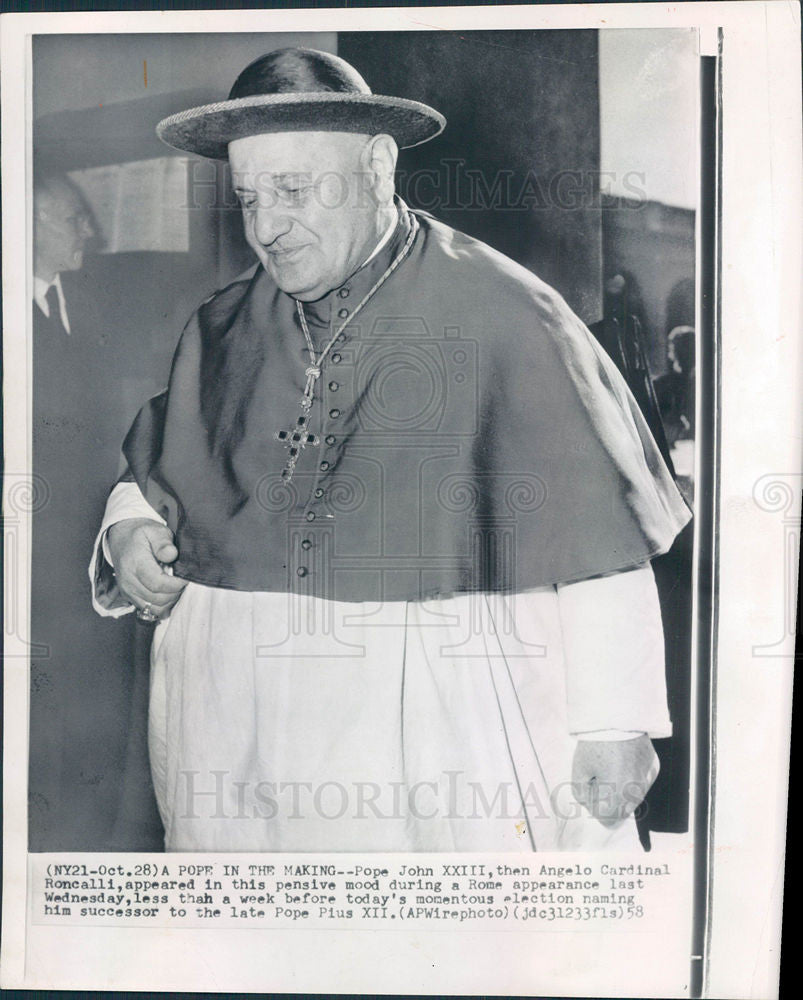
point(299, 286)
point(309, 296)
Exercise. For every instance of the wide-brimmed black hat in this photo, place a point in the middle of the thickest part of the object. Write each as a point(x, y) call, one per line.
point(298, 90)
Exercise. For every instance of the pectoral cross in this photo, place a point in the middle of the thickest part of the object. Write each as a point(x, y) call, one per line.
point(297, 438)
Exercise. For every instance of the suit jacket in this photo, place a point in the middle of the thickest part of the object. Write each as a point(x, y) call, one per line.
point(81, 669)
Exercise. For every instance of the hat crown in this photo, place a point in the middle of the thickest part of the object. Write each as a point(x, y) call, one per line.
point(298, 90)
point(298, 71)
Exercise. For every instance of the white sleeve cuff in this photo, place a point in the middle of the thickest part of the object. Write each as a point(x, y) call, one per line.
point(614, 649)
point(125, 501)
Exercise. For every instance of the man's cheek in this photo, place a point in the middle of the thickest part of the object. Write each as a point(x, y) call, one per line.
point(252, 241)
point(248, 229)
point(332, 191)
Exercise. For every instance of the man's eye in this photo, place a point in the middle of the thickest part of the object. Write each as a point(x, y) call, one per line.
point(247, 200)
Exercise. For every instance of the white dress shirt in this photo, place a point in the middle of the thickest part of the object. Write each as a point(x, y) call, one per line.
point(40, 290)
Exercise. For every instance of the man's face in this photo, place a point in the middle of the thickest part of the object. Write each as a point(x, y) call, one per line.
point(308, 207)
point(62, 229)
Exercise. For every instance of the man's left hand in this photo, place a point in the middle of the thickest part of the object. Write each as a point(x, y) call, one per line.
point(611, 778)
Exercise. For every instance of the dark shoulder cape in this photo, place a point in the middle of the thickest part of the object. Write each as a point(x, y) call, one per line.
point(472, 436)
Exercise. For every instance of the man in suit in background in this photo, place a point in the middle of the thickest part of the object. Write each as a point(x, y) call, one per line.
point(77, 658)
point(62, 229)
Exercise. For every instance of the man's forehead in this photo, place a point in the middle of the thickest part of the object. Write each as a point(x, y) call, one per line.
point(58, 194)
point(287, 152)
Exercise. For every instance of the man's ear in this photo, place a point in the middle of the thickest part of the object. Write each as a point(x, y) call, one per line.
point(381, 154)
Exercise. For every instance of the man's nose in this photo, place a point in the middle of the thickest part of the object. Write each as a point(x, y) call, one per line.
point(270, 224)
point(87, 229)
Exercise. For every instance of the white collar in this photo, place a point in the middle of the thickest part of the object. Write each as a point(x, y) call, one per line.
point(388, 233)
point(40, 290)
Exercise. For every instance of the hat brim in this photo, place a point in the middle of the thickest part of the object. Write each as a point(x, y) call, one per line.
point(208, 130)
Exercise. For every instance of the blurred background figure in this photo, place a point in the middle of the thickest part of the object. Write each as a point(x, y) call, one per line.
point(63, 227)
point(674, 391)
point(621, 333)
point(78, 659)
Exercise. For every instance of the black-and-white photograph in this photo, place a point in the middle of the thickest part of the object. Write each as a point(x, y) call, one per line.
point(401, 497)
point(363, 440)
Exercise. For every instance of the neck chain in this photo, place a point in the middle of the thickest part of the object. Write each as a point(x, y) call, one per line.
point(298, 437)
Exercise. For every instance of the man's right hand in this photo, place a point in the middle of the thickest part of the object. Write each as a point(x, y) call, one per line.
point(140, 548)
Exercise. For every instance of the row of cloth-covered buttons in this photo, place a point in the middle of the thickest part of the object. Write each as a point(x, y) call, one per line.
point(319, 493)
point(344, 294)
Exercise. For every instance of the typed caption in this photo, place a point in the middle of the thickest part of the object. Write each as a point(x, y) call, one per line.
point(263, 891)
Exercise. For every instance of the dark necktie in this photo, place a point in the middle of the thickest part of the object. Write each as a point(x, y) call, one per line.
point(52, 299)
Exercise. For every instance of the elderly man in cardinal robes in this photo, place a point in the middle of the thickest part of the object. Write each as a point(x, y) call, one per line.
point(394, 513)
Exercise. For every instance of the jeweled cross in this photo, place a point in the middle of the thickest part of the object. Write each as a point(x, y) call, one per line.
point(295, 439)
